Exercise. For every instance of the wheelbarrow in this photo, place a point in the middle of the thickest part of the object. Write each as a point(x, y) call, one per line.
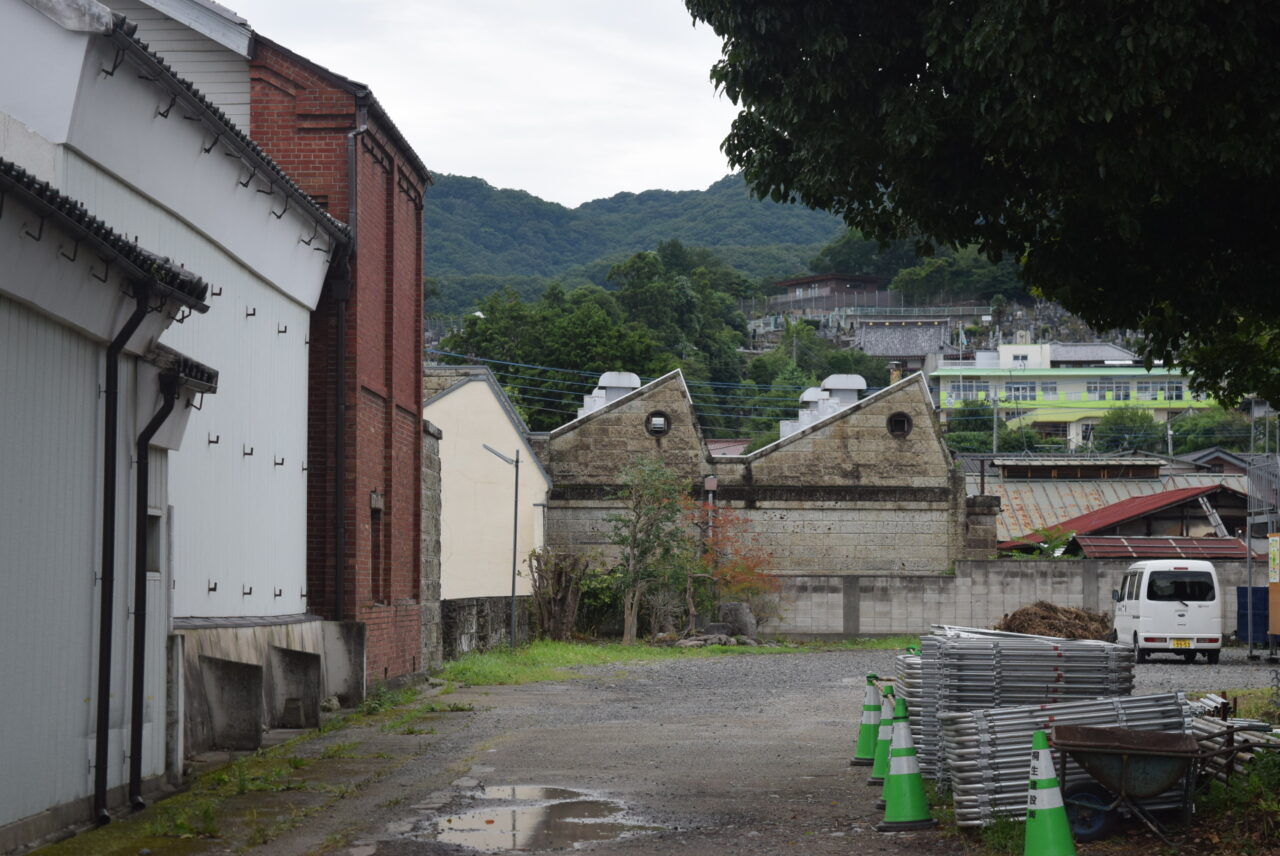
point(1130, 766)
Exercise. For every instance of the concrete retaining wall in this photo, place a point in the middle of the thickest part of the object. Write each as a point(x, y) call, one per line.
point(977, 595)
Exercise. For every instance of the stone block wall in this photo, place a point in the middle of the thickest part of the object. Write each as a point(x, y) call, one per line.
point(432, 640)
point(481, 624)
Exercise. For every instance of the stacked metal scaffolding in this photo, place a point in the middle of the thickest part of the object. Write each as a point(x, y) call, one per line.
point(962, 668)
point(987, 752)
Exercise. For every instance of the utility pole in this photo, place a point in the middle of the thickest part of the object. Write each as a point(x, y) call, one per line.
point(995, 424)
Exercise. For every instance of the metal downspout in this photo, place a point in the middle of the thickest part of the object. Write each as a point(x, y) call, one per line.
point(340, 387)
point(106, 608)
point(169, 392)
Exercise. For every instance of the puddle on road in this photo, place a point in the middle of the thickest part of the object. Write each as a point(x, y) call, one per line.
point(525, 793)
point(553, 818)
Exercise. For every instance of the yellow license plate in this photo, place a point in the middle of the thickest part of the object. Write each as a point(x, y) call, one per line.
point(1180, 643)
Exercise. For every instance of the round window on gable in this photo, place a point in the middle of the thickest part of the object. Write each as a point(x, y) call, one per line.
point(657, 423)
point(899, 424)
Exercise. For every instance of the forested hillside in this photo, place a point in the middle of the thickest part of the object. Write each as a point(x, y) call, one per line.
point(480, 239)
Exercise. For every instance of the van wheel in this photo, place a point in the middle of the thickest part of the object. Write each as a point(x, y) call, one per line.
point(1212, 656)
point(1139, 654)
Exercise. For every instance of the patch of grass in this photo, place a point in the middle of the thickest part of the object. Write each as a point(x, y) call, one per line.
point(383, 698)
point(1004, 837)
point(550, 661)
point(339, 750)
point(297, 762)
point(190, 819)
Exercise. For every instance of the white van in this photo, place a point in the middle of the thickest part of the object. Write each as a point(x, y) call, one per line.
point(1174, 607)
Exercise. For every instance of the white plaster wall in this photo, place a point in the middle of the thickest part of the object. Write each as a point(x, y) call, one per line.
point(31, 45)
point(476, 495)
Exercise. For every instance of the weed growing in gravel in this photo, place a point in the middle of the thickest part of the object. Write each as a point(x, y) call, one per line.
point(194, 819)
point(339, 750)
point(1004, 836)
point(383, 698)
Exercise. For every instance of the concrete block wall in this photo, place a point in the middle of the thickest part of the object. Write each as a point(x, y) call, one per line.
point(978, 594)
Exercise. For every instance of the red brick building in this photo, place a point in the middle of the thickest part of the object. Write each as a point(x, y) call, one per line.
point(364, 517)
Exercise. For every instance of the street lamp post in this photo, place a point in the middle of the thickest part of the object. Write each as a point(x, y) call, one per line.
point(515, 523)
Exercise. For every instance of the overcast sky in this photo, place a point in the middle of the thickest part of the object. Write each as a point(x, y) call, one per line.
point(571, 100)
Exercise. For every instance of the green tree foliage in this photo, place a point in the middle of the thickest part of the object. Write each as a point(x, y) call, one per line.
point(1128, 429)
point(968, 429)
point(1125, 152)
point(656, 545)
point(479, 239)
point(1227, 429)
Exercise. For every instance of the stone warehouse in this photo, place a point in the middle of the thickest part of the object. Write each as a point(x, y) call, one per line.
point(869, 490)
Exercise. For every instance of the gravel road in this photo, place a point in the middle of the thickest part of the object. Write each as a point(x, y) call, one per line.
point(739, 755)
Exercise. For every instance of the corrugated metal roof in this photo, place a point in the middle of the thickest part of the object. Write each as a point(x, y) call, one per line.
point(1119, 512)
point(1026, 505)
point(1132, 547)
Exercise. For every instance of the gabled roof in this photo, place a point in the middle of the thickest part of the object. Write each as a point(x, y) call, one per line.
point(1202, 455)
point(482, 374)
point(1135, 547)
point(916, 378)
point(628, 398)
point(364, 97)
point(1122, 512)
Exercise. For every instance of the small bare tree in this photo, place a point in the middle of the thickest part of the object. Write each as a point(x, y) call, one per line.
point(557, 588)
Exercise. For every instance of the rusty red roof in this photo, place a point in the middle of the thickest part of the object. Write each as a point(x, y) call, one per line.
point(1120, 512)
point(1136, 547)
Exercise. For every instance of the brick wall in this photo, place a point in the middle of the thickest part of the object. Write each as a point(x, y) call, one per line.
point(303, 117)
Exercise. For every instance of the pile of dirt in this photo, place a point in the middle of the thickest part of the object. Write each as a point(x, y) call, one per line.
point(1066, 622)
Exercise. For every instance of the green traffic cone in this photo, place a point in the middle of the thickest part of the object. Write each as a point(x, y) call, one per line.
point(1048, 831)
point(884, 736)
point(865, 753)
point(906, 807)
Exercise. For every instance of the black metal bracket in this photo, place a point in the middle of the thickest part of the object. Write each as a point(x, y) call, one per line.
point(75, 252)
point(252, 176)
point(106, 269)
point(206, 149)
point(246, 592)
point(282, 210)
point(213, 585)
point(111, 72)
point(164, 114)
point(191, 402)
point(39, 235)
point(282, 328)
point(279, 462)
point(249, 313)
point(277, 592)
point(246, 451)
point(215, 292)
point(214, 439)
point(304, 466)
point(181, 315)
point(315, 230)
point(303, 594)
